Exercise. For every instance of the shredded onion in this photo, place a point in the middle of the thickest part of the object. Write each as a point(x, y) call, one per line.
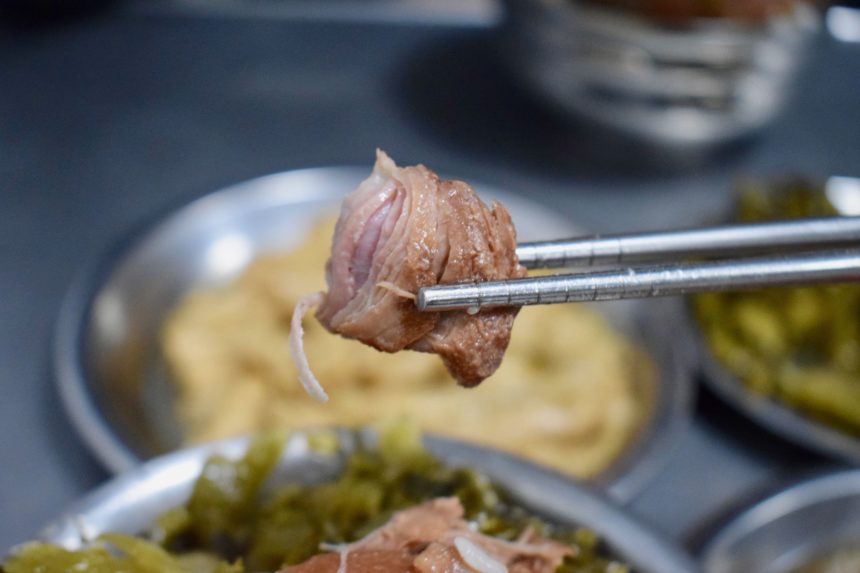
point(342, 549)
point(297, 347)
point(477, 558)
point(83, 530)
point(525, 535)
point(344, 557)
point(390, 286)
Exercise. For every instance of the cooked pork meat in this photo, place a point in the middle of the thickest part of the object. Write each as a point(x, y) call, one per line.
point(390, 229)
point(481, 245)
point(432, 538)
point(403, 228)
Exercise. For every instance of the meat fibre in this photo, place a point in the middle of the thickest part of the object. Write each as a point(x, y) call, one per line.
point(433, 538)
point(402, 229)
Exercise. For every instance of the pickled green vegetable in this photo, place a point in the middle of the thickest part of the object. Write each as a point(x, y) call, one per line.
point(798, 345)
point(230, 525)
point(112, 553)
point(844, 559)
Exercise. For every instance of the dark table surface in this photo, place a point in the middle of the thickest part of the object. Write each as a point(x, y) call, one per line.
point(106, 120)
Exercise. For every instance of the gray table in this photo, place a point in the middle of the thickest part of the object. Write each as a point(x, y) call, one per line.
point(107, 121)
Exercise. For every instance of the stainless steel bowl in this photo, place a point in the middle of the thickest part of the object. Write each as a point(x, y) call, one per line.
point(113, 380)
point(786, 530)
point(131, 502)
point(844, 194)
point(770, 413)
point(687, 86)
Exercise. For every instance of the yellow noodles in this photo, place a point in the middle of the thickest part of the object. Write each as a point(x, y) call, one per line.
point(567, 393)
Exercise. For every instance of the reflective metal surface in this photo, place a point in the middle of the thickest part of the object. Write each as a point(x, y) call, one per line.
point(691, 85)
point(770, 413)
point(483, 13)
point(843, 23)
point(648, 281)
point(131, 502)
point(784, 531)
point(113, 381)
point(844, 194)
point(771, 237)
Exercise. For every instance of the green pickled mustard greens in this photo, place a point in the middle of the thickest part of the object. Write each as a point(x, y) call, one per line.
point(112, 553)
point(839, 560)
point(224, 504)
point(231, 524)
point(798, 345)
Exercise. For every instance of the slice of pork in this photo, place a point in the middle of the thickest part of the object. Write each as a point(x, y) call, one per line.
point(434, 537)
point(402, 229)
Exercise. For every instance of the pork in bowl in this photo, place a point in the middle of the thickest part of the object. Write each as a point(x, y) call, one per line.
point(328, 499)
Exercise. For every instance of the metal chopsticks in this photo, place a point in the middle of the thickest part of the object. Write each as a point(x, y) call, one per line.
point(661, 280)
point(784, 268)
point(710, 241)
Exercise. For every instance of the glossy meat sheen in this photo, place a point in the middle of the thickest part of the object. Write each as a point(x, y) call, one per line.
point(482, 245)
point(365, 561)
point(404, 228)
point(422, 539)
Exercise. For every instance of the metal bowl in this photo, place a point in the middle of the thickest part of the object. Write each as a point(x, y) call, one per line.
point(112, 377)
point(768, 412)
point(844, 194)
point(130, 503)
point(786, 530)
point(689, 86)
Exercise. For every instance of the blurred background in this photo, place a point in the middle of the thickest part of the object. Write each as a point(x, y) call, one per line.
point(617, 115)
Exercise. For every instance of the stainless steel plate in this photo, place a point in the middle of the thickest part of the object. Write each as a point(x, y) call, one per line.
point(784, 531)
point(131, 502)
point(770, 413)
point(112, 378)
point(844, 194)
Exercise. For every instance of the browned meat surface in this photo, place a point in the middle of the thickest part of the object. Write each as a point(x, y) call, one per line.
point(432, 538)
point(403, 229)
point(364, 561)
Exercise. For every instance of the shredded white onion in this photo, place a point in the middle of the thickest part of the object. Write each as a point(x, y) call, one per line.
point(477, 558)
point(344, 558)
point(83, 530)
point(390, 286)
point(297, 348)
point(525, 535)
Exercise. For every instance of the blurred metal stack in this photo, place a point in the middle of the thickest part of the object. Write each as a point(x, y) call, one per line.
point(687, 84)
point(431, 12)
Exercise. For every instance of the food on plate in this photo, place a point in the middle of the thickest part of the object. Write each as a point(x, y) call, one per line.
point(679, 11)
point(434, 536)
point(577, 388)
point(402, 229)
point(842, 560)
point(394, 508)
point(798, 345)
